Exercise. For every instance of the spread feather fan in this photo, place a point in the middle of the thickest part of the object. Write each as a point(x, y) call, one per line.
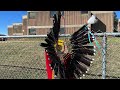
point(73, 64)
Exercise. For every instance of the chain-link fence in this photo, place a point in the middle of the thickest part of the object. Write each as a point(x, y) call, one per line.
point(95, 70)
point(113, 56)
point(22, 57)
point(107, 61)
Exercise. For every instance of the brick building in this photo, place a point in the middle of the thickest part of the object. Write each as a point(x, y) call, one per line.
point(24, 24)
point(18, 28)
point(40, 22)
point(15, 29)
point(118, 25)
point(10, 30)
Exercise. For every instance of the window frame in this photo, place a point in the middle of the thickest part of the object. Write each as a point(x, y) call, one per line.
point(53, 12)
point(84, 12)
point(33, 16)
point(30, 32)
point(61, 32)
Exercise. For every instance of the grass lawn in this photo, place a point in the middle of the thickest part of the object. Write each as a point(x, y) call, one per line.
point(22, 59)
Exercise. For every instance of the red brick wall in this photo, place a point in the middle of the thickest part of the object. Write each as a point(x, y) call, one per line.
point(71, 30)
point(71, 18)
point(75, 18)
point(24, 27)
point(43, 18)
point(118, 26)
point(42, 31)
point(107, 19)
point(17, 28)
point(10, 31)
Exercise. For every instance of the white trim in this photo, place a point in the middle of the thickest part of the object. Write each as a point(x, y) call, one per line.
point(24, 17)
point(66, 35)
point(10, 26)
point(18, 34)
point(17, 23)
point(32, 36)
point(66, 26)
point(97, 12)
point(33, 11)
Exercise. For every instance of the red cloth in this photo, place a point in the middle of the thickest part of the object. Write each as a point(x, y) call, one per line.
point(48, 68)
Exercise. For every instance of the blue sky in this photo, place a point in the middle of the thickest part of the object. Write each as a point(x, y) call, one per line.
point(10, 17)
point(118, 14)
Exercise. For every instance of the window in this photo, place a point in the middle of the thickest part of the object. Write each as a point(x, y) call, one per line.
point(32, 15)
point(84, 12)
point(62, 30)
point(62, 13)
point(54, 12)
point(32, 31)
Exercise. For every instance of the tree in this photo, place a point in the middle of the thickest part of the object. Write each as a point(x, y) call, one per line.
point(115, 23)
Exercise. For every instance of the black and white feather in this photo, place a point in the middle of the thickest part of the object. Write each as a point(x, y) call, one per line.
point(77, 62)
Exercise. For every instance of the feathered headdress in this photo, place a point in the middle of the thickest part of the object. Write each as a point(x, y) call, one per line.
point(70, 65)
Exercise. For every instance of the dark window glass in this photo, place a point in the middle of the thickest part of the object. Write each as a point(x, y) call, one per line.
point(84, 12)
point(54, 12)
point(32, 31)
point(62, 30)
point(32, 15)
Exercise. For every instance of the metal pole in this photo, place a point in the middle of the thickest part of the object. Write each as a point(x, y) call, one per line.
point(89, 15)
point(104, 57)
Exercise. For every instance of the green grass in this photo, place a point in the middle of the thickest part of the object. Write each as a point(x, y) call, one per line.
point(113, 56)
point(112, 61)
point(14, 56)
point(24, 59)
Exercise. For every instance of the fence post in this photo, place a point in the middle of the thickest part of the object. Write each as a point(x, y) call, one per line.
point(104, 56)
